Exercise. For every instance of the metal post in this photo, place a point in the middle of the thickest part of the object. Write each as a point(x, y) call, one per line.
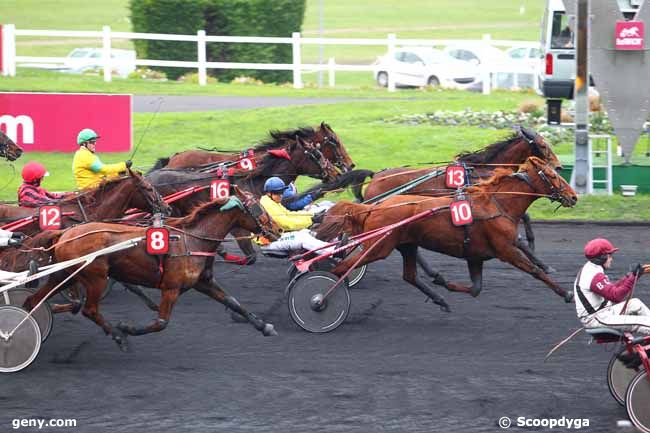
point(201, 56)
point(331, 66)
point(391, 59)
point(297, 61)
point(106, 53)
point(320, 35)
point(2, 50)
point(581, 176)
point(485, 68)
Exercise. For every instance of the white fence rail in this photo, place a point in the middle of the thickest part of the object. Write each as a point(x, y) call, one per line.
point(11, 60)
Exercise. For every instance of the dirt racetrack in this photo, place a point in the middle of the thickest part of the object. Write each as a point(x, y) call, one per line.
point(397, 365)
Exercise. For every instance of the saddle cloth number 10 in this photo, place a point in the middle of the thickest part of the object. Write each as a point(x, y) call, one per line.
point(461, 213)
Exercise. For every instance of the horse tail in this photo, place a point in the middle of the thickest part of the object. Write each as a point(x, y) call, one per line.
point(160, 163)
point(339, 218)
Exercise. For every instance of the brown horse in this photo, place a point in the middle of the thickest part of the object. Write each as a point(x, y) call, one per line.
point(323, 138)
point(184, 267)
point(107, 201)
point(8, 149)
point(497, 205)
point(513, 150)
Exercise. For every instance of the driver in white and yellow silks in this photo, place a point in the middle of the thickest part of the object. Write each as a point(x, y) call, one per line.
point(297, 235)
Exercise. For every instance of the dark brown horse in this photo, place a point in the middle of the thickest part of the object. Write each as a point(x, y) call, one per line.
point(184, 267)
point(8, 149)
point(323, 138)
point(107, 201)
point(497, 206)
point(513, 150)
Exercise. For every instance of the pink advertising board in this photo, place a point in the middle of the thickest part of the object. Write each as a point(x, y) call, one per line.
point(50, 122)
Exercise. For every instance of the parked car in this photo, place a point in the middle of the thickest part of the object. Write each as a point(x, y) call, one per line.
point(476, 54)
point(421, 66)
point(81, 60)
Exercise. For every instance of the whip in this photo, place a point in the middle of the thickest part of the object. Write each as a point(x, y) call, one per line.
point(137, 146)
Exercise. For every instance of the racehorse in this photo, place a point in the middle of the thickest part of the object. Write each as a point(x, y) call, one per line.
point(323, 138)
point(8, 149)
point(497, 205)
point(185, 266)
point(513, 150)
point(109, 200)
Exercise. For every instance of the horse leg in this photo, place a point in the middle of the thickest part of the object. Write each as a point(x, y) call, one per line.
point(137, 290)
point(215, 292)
point(167, 301)
point(528, 228)
point(52, 282)
point(438, 278)
point(409, 274)
point(511, 254)
point(476, 275)
point(246, 245)
point(525, 248)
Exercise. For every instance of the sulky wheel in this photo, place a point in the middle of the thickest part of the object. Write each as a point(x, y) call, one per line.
point(43, 315)
point(619, 377)
point(18, 350)
point(308, 308)
point(637, 401)
point(71, 293)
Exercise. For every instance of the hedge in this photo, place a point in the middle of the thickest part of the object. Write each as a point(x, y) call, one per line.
point(219, 17)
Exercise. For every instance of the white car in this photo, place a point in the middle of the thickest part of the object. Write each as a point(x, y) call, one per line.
point(420, 66)
point(87, 59)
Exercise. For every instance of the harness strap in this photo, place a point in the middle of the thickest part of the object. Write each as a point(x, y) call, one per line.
point(583, 299)
point(83, 211)
point(466, 241)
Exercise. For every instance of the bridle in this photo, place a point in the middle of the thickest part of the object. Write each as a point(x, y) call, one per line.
point(314, 154)
point(556, 194)
point(262, 219)
point(338, 156)
point(157, 204)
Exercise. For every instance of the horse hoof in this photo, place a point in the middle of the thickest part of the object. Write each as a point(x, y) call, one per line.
point(269, 330)
point(76, 307)
point(237, 318)
point(444, 307)
point(124, 327)
point(568, 297)
point(550, 270)
point(120, 338)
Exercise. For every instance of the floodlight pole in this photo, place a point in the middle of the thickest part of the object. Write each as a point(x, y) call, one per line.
point(581, 178)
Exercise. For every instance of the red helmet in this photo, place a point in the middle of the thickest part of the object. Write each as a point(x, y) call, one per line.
point(33, 171)
point(598, 247)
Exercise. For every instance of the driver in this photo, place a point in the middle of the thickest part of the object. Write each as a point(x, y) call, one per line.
point(11, 239)
point(31, 193)
point(87, 168)
point(297, 236)
point(599, 302)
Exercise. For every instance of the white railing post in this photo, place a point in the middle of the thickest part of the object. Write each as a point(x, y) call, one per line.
point(391, 59)
point(9, 51)
point(106, 53)
point(331, 68)
point(297, 60)
point(485, 68)
point(201, 53)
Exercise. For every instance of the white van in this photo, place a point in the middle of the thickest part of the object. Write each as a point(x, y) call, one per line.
point(558, 68)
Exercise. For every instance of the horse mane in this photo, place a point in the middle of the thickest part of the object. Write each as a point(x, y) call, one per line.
point(488, 153)
point(197, 212)
point(279, 138)
point(337, 216)
point(499, 174)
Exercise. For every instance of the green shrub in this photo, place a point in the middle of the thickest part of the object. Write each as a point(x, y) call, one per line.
point(179, 17)
point(219, 17)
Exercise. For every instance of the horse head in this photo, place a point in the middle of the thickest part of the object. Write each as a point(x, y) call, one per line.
point(309, 160)
point(8, 149)
point(326, 140)
point(256, 219)
point(539, 147)
point(542, 177)
point(146, 197)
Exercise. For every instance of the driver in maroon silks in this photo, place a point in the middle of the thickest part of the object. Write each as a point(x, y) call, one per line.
point(603, 304)
point(31, 193)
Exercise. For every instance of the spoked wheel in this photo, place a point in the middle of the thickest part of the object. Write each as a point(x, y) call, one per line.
point(637, 401)
point(619, 377)
point(73, 293)
point(21, 348)
point(308, 307)
point(43, 315)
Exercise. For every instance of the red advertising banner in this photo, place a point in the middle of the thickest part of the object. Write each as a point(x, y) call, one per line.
point(629, 35)
point(50, 122)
